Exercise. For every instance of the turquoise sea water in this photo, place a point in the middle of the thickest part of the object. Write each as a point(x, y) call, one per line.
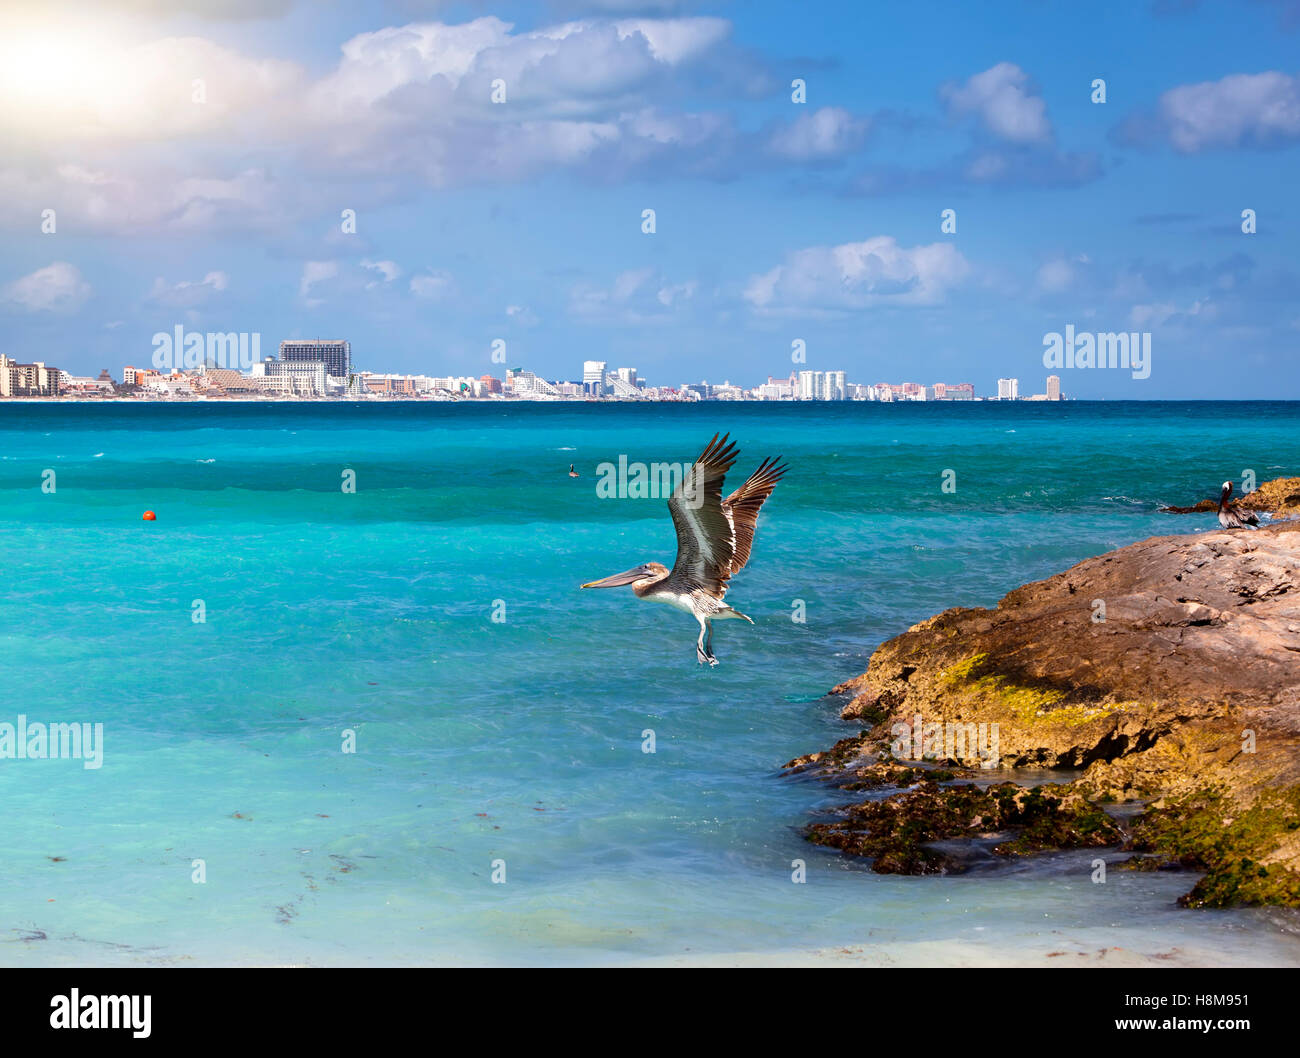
point(521, 741)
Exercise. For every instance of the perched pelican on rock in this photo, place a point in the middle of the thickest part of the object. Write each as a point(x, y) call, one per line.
point(1232, 518)
point(714, 537)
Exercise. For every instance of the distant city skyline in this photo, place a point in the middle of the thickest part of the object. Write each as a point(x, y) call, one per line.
point(695, 192)
point(322, 369)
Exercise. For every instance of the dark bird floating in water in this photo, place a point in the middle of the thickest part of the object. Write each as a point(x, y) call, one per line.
point(1230, 517)
point(572, 473)
point(714, 537)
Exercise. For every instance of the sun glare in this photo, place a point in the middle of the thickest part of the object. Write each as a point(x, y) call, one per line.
point(46, 75)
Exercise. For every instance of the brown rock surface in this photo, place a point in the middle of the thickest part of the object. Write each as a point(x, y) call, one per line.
point(1188, 691)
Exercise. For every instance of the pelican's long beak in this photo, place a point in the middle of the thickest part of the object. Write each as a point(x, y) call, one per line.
point(618, 579)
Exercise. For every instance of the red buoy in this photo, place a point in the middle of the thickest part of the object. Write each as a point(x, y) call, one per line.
point(149, 516)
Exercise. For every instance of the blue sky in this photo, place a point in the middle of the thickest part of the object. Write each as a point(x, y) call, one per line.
point(217, 206)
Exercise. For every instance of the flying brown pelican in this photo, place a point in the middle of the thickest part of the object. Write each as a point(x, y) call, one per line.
point(714, 537)
point(1230, 516)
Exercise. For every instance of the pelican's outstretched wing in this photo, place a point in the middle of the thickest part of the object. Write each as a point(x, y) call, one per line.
point(741, 508)
point(706, 540)
point(1239, 519)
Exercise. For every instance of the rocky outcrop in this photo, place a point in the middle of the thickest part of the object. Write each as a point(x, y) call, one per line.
point(1167, 672)
point(1279, 498)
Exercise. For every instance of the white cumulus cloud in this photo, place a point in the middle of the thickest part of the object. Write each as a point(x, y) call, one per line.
point(404, 107)
point(1241, 110)
point(1001, 99)
point(314, 272)
point(387, 269)
point(187, 292)
point(58, 287)
point(858, 275)
point(826, 133)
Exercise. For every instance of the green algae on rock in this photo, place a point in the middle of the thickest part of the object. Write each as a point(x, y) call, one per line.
point(1238, 849)
point(896, 832)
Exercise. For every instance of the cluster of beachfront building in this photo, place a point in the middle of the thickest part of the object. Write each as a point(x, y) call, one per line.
point(322, 369)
